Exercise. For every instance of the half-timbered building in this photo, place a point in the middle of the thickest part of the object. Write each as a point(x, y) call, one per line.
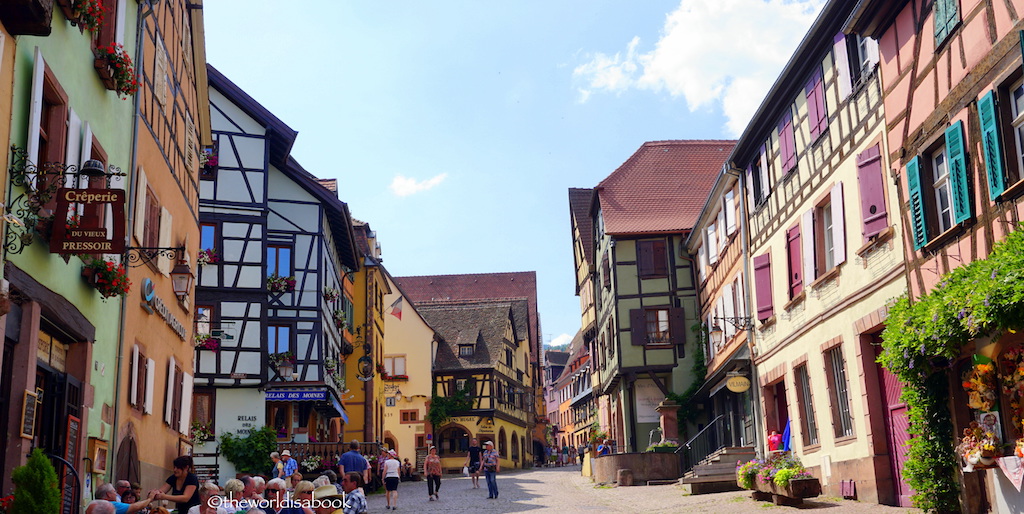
point(952, 84)
point(646, 293)
point(483, 354)
point(271, 314)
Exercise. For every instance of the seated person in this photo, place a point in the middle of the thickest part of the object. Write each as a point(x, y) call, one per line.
point(406, 469)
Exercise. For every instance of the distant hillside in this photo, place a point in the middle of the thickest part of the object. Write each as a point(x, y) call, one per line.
point(559, 348)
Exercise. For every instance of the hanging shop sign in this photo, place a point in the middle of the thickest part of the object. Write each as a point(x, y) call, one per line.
point(85, 235)
point(737, 384)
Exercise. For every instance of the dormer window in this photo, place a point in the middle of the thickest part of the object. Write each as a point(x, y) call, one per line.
point(465, 350)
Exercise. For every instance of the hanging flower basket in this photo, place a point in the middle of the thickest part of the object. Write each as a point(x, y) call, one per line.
point(279, 284)
point(209, 163)
point(207, 342)
point(339, 319)
point(201, 431)
point(109, 278)
point(208, 256)
point(331, 294)
point(116, 70)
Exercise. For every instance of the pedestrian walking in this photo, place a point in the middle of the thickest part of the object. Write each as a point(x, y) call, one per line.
point(492, 466)
point(182, 487)
point(432, 470)
point(473, 461)
point(290, 467)
point(392, 475)
point(581, 451)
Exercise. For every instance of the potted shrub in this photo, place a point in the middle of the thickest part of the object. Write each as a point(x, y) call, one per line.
point(779, 475)
point(36, 488)
point(116, 70)
point(109, 278)
point(278, 284)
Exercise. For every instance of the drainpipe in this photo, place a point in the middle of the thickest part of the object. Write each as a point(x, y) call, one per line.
point(754, 384)
point(139, 31)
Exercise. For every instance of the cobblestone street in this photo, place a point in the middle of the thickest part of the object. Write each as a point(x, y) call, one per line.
point(564, 490)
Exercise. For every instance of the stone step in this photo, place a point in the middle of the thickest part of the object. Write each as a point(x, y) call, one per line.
point(705, 485)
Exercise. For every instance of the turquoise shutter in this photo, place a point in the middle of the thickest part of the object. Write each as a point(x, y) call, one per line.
point(919, 223)
point(958, 173)
point(990, 143)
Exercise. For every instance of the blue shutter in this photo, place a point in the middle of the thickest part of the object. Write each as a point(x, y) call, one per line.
point(920, 225)
point(947, 16)
point(990, 143)
point(958, 173)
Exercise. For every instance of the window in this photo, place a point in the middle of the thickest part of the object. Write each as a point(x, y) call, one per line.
point(151, 230)
point(279, 339)
point(280, 416)
point(793, 249)
point(835, 368)
point(763, 286)
point(465, 350)
point(652, 259)
point(279, 260)
point(508, 357)
point(394, 365)
point(947, 202)
point(657, 327)
point(410, 416)
point(808, 424)
point(992, 116)
point(208, 236)
point(1017, 111)
point(204, 409)
point(172, 398)
point(817, 115)
point(946, 17)
point(871, 180)
point(827, 248)
point(52, 111)
point(759, 175)
point(454, 440)
point(142, 381)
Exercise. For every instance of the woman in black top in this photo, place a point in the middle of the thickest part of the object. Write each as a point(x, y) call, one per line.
point(473, 461)
point(182, 485)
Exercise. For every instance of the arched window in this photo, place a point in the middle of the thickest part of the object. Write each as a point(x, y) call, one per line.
point(453, 439)
point(502, 447)
point(515, 447)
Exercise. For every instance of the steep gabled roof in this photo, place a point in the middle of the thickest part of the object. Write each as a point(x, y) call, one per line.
point(282, 137)
point(661, 187)
point(579, 208)
point(483, 286)
point(481, 324)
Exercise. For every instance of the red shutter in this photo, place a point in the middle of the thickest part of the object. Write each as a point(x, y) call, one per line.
point(659, 258)
point(763, 286)
point(796, 283)
point(677, 325)
point(872, 192)
point(638, 326)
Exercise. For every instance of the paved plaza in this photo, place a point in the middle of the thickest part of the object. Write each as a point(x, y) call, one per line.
point(564, 490)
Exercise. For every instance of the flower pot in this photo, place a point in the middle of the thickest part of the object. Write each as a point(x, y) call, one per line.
point(105, 72)
point(987, 461)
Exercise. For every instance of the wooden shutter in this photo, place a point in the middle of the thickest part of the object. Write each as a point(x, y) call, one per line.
point(702, 256)
point(73, 146)
point(766, 186)
point(741, 296)
point(807, 243)
point(150, 381)
point(787, 143)
point(186, 404)
point(751, 203)
point(35, 115)
point(763, 286)
point(844, 80)
point(796, 284)
point(838, 224)
point(728, 309)
point(946, 18)
point(169, 392)
point(645, 262)
point(958, 173)
point(135, 378)
point(166, 222)
point(730, 212)
point(991, 145)
point(638, 327)
point(712, 239)
point(659, 258)
point(917, 214)
point(141, 193)
point(606, 272)
point(872, 192)
point(817, 116)
point(152, 228)
point(677, 325)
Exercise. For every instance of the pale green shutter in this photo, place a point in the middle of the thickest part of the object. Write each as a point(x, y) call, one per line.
point(958, 173)
point(947, 16)
point(919, 223)
point(990, 142)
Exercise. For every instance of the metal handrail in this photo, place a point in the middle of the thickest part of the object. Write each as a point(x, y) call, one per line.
point(706, 442)
point(706, 427)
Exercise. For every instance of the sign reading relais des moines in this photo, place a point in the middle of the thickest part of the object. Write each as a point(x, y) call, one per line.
point(87, 234)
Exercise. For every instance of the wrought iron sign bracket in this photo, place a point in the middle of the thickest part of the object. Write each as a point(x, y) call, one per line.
point(135, 256)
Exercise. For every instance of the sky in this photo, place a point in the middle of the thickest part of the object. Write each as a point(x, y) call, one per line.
point(455, 128)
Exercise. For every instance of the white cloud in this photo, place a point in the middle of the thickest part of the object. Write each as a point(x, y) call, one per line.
point(405, 186)
point(560, 340)
point(725, 53)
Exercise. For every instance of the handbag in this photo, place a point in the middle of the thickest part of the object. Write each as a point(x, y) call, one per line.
point(465, 471)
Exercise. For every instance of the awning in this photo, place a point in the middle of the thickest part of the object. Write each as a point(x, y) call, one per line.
point(738, 361)
point(324, 399)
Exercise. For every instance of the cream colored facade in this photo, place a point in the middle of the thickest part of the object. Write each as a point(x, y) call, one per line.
point(409, 348)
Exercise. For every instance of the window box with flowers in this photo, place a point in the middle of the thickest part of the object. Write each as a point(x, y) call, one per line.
point(116, 70)
point(109, 278)
point(278, 284)
point(209, 164)
point(208, 256)
point(280, 359)
point(332, 295)
point(86, 14)
point(333, 368)
point(207, 342)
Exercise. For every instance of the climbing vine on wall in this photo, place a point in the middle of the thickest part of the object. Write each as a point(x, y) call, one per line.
point(688, 410)
point(922, 340)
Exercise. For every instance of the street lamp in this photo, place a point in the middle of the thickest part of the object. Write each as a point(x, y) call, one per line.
point(181, 279)
point(740, 322)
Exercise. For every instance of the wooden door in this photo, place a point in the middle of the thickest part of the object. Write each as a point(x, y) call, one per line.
point(897, 424)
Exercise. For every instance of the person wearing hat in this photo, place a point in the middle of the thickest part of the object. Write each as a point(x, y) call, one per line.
point(328, 500)
point(392, 475)
point(490, 461)
point(432, 470)
point(291, 466)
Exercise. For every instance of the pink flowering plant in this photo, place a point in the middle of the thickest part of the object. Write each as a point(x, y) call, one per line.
point(208, 256)
point(207, 342)
point(778, 468)
point(278, 284)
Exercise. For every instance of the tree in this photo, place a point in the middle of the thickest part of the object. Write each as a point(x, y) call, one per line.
point(36, 489)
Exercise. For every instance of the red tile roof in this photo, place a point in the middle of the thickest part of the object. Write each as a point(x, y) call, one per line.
point(483, 286)
point(662, 187)
point(579, 207)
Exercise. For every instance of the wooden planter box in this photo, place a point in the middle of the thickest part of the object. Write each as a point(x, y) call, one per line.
point(106, 74)
point(793, 494)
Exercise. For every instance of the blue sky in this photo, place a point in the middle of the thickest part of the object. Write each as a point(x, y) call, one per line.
point(456, 128)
